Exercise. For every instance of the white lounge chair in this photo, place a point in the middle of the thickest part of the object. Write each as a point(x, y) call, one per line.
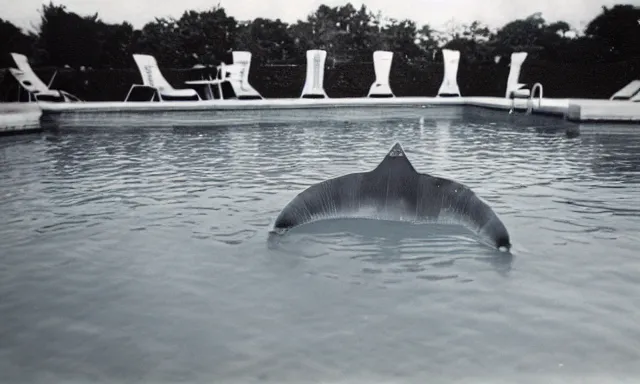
point(515, 89)
point(35, 87)
point(629, 92)
point(237, 74)
point(449, 86)
point(153, 79)
point(314, 82)
point(382, 68)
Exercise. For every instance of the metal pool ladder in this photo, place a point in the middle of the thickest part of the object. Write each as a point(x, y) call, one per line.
point(530, 101)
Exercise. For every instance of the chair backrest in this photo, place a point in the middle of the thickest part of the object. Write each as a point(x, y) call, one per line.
point(315, 67)
point(382, 65)
point(628, 91)
point(449, 85)
point(513, 84)
point(241, 66)
point(451, 60)
point(314, 80)
point(25, 75)
point(150, 72)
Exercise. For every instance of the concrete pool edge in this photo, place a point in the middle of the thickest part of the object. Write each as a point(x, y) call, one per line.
point(613, 111)
point(573, 110)
point(577, 110)
point(19, 118)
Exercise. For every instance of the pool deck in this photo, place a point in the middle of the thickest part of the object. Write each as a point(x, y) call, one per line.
point(592, 110)
point(17, 117)
point(575, 110)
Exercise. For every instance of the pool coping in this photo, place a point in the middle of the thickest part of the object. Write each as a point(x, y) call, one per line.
point(19, 117)
point(16, 117)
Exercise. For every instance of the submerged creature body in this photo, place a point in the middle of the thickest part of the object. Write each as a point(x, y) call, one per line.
point(394, 190)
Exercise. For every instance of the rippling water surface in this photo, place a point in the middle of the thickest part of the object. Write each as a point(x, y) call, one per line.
point(140, 253)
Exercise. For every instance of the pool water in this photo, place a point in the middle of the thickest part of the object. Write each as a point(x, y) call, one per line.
point(140, 253)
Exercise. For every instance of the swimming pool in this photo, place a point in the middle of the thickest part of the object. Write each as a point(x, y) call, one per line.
point(137, 252)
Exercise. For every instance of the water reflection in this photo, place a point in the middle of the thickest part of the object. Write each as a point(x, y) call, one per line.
point(615, 155)
point(430, 252)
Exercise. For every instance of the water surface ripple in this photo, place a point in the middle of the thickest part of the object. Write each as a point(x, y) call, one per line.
point(140, 254)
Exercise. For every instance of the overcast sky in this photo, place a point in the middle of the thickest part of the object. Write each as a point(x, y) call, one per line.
point(434, 12)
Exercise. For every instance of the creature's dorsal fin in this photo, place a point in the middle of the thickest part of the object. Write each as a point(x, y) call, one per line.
point(396, 151)
point(397, 157)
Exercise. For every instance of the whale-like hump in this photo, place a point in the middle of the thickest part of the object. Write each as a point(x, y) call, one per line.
point(394, 190)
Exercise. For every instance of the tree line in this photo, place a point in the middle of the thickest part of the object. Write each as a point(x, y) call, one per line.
point(64, 38)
